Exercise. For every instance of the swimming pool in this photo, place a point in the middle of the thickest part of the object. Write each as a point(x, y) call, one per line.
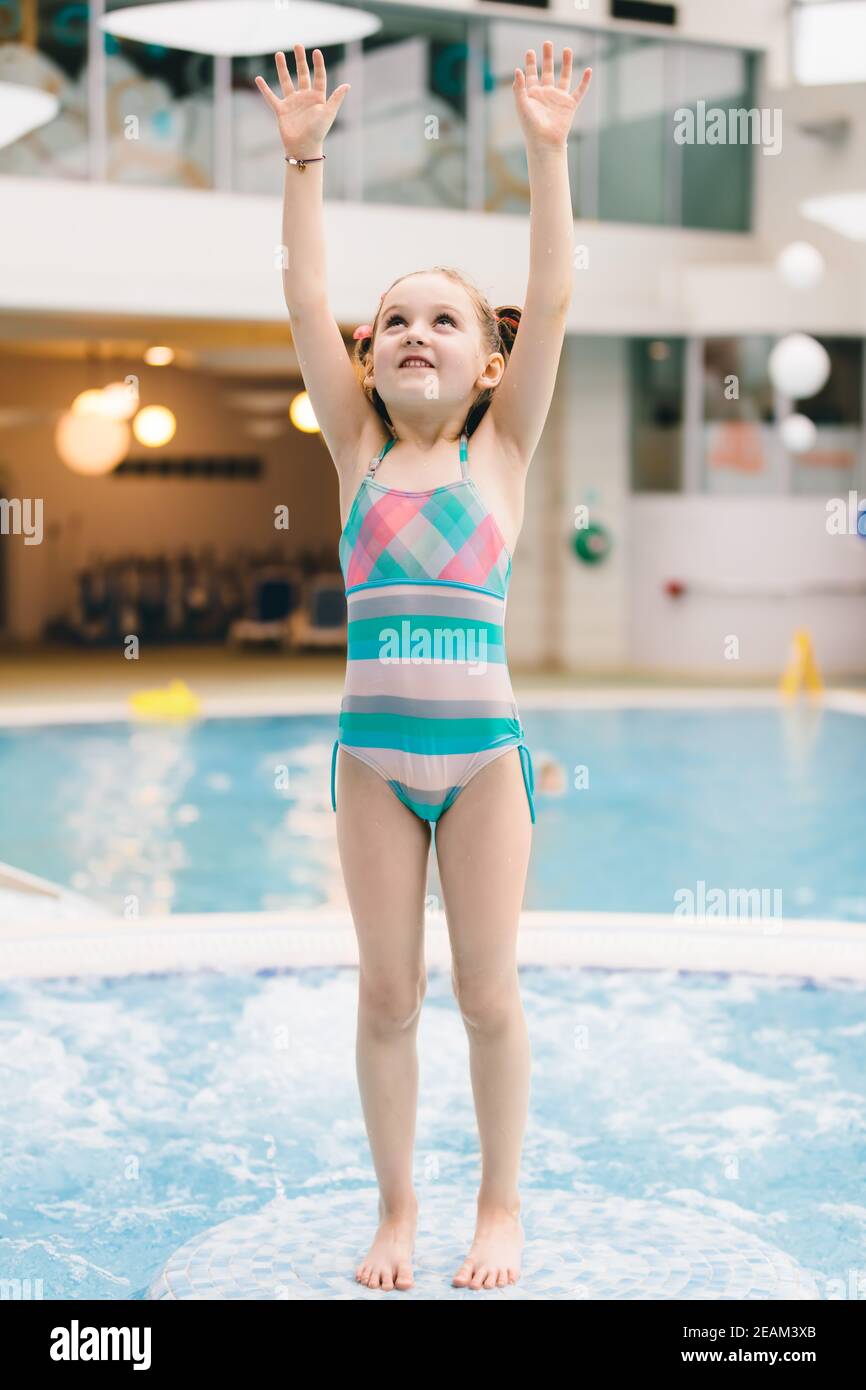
point(234, 814)
point(138, 1112)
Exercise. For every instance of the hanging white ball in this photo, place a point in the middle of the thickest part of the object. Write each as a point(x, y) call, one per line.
point(91, 444)
point(798, 366)
point(798, 433)
point(801, 265)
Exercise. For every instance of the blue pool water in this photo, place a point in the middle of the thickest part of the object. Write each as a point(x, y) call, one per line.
point(234, 814)
point(135, 1113)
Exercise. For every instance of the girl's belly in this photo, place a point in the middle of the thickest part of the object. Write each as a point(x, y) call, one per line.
point(427, 675)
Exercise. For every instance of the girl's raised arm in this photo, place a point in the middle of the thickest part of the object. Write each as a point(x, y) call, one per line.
point(304, 117)
point(545, 110)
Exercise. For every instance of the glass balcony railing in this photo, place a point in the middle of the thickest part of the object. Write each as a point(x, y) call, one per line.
point(430, 120)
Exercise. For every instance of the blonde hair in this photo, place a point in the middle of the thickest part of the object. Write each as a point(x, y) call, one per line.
point(498, 331)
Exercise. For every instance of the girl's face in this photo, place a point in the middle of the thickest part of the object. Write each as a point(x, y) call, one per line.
point(431, 320)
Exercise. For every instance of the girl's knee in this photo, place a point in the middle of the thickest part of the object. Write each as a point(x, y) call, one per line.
point(390, 1002)
point(486, 1004)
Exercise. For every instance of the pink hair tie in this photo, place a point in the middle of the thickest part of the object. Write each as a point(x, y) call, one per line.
point(363, 330)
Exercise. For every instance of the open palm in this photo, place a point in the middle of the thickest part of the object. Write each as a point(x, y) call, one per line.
point(546, 108)
point(304, 115)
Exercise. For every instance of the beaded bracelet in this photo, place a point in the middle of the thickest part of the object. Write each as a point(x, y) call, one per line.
point(302, 163)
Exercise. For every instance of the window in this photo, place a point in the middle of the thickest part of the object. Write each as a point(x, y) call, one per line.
point(739, 445)
point(657, 372)
point(705, 417)
point(831, 466)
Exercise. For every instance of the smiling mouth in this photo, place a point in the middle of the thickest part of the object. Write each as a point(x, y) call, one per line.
point(416, 362)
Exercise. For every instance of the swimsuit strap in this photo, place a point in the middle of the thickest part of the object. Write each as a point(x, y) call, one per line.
point(528, 774)
point(379, 457)
point(464, 456)
point(334, 773)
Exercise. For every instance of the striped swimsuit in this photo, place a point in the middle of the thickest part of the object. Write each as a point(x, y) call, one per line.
point(428, 699)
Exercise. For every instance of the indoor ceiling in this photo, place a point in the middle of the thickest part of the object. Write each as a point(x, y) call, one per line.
point(223, 348)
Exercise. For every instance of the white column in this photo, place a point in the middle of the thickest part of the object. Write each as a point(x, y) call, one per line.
point(563, 613)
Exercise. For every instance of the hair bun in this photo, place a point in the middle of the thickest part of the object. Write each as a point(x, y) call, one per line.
point(507, 321)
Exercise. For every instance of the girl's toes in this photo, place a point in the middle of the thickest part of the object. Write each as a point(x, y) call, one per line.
point(464, 1273)
point(502, 1278)
point(404, 1276)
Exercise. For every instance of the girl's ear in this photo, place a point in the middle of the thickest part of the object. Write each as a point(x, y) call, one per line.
point(492, 361)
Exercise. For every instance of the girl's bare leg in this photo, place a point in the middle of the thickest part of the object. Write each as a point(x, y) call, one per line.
point(482, 846)
point(384, 851)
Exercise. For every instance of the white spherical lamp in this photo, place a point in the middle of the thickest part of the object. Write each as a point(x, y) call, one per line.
point(120, 399)
point(158, 356)
point(798, 366)
point(801, 265)
point(302, 415)
point(91, 444)
point(88, 402)
point(117, 401)
point(154, 426)
point(798, 433)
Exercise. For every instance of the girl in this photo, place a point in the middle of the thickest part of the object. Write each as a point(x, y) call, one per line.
point(429, 733)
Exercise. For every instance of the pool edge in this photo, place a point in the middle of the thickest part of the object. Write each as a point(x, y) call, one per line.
point(248, 941)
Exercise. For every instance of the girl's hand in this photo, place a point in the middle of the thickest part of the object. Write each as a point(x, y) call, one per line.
point(304, 116)
point(546, 109)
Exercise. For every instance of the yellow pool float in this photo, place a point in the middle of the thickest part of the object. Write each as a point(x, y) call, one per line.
point(174, 701)
point(802, 672)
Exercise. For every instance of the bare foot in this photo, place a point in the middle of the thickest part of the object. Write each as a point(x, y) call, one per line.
point(389, 1261)
point(494, 1259)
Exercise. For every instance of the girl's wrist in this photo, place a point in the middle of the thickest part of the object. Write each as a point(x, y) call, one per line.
point(546, 151)
point(304, 150)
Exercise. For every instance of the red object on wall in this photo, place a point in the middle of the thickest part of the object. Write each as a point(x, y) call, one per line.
point(736, 444)
point(674, 588)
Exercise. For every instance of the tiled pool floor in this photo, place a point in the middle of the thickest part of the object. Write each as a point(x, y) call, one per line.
point(577, 1247)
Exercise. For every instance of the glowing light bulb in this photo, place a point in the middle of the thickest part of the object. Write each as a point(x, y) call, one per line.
point(302, 415)
point(158, 356)
point(91, 444)
point(154, 426)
